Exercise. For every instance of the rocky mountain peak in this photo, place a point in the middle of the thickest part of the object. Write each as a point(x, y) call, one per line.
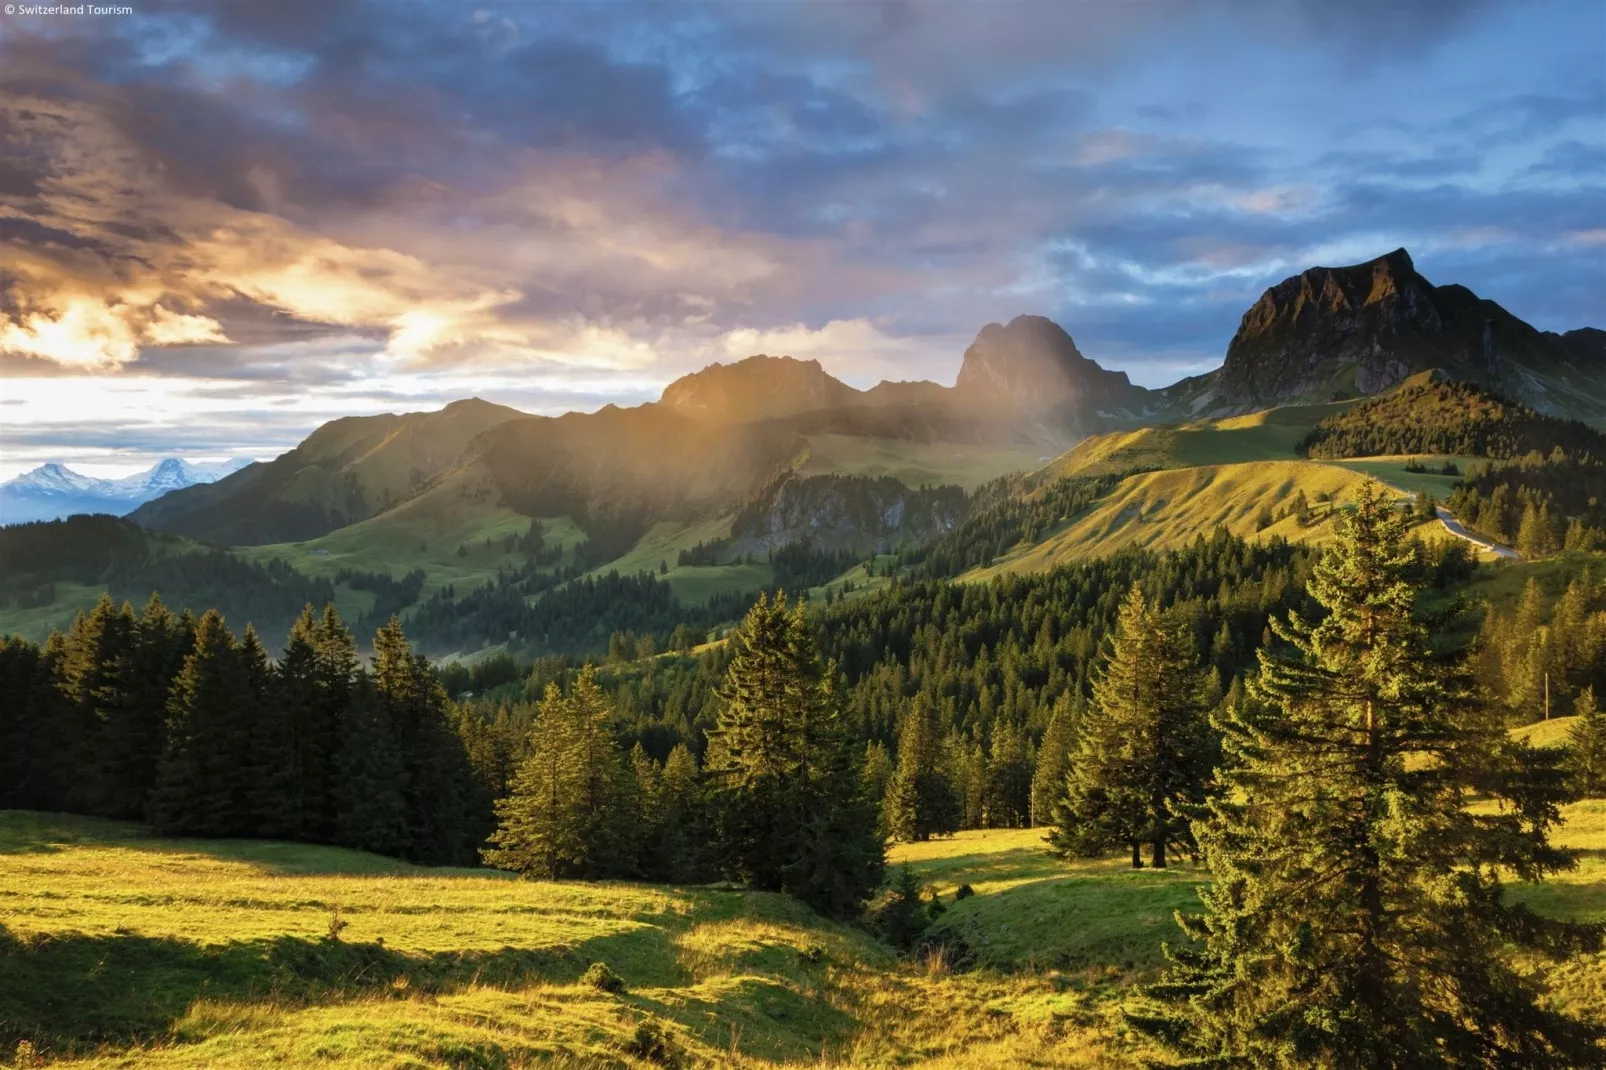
point(757, 388)
point(1332, 332)
point(1031, 364)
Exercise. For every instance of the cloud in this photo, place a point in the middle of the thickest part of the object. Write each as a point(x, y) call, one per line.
point(565, 203)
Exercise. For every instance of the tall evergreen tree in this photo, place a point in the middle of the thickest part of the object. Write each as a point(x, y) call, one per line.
point(97, 678)
point(1053, 760)
point(1357, 916)
point(1586, 757)
point(204, 780)
point(368, 802)
point(537, 832)
point(1009, 778)
point(607, 806)
point(921, 802)
point(436, 774)
point(793, 809)
point(130, 737)
point(1143, 749)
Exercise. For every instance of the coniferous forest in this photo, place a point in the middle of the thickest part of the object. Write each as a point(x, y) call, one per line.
point(1307, 723)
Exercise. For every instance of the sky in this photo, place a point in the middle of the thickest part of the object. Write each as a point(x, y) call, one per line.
point(222, 225)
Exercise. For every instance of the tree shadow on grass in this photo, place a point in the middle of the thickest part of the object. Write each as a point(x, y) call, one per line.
point(71, 992)
point(760, 1016)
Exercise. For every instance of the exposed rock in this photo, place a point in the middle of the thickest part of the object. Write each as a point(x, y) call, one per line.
point(1032, 366)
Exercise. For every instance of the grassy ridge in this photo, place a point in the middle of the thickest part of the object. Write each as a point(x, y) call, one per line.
point(1167, 509)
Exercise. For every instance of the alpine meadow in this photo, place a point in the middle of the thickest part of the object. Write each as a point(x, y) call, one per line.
point(579, 535)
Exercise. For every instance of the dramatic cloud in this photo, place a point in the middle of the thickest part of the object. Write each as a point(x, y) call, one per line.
point(268, 214)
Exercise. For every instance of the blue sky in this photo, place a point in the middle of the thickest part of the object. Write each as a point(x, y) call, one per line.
point(224, 224)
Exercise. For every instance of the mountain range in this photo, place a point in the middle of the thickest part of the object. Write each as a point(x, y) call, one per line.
point(53, 491)
point(716, 438)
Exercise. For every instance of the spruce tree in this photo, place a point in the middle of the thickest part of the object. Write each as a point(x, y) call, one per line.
point(130, 739)
point(755, 754)
point(920, 801)
point(1053, 760)
point(1586, 740)
point(436, 778)
point(878, 772)
point(793, 808)
point(97, 677)
point(204, 779)
point(538, 834)
point(682, 828)
point(607, 805)
point(1357, 916)
point(1008, 792)
point(1143, 749)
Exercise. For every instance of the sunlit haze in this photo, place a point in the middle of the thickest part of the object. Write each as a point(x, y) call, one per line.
point(223, 226)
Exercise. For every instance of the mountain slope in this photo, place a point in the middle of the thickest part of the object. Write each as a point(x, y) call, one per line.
point(1429, 414)
point(345, 471)
point(1330, 333)
point(54, 491)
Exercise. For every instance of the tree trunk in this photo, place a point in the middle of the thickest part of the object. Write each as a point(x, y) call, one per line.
point(1137, 856)
point(1157, 852)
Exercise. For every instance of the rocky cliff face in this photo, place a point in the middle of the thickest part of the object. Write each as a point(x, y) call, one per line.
point(1330, 333)
point(1032, 367)
point(835, 512)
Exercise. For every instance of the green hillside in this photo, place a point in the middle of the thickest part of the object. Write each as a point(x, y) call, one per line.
point(457, 532)
point(1271, 434)
point(915, 463)
point(1170, 508)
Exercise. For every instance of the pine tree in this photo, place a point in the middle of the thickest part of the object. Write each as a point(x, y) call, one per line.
point(755, 755)
point(683, 830)
point(1533, 538)
point(203, 784)
point(920, 798)
point(878, 772)
point(537, 833)
point(1009, 778)
point(368, 801)
point(97, 678)
point(130, 739)
point(1586, 740)
point(436, 775)
point(607, 806)
point(1053, 760)
point(1143, 751)
point(793, 807)
point(1357, 916)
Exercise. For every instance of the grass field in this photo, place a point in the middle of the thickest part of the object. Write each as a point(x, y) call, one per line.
point(913, 463)
point(1170, 508)
point(123, 950)
point(1267, 435)
point(443, 531)
point(119, 949)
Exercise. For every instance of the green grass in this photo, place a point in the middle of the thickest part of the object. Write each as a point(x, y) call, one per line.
point(914, 463)
point(34, 624)
point(1034, 911)
point(121, 949)
point(1170, 508)
point(1268, 435)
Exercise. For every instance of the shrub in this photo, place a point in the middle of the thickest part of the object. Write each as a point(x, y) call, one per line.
point(600, 977)
point(651, 1043)
point(965, 892)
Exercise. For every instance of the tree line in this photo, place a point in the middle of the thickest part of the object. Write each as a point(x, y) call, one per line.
point(176, 720)
point(1454, 418)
